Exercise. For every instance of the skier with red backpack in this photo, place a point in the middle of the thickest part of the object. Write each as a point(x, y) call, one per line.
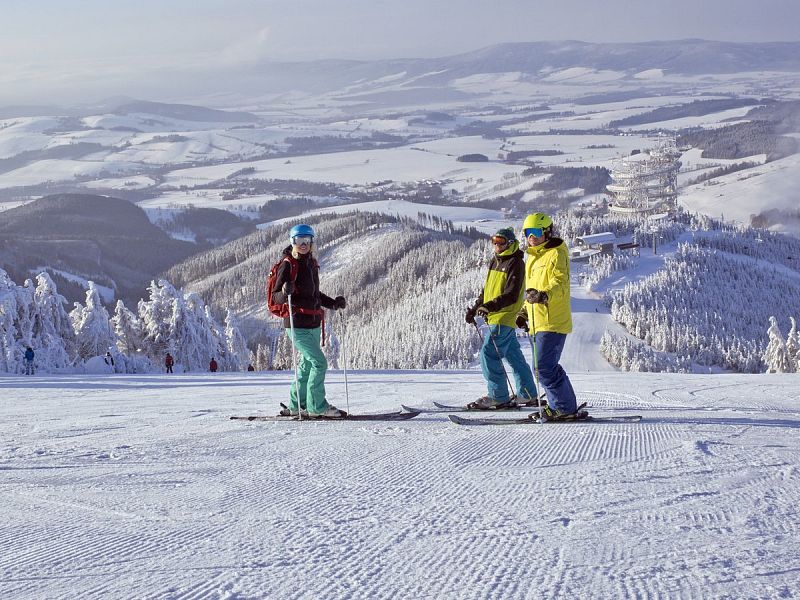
point(293, 293)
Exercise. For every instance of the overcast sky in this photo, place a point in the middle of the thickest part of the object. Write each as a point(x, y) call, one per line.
point(45, 44)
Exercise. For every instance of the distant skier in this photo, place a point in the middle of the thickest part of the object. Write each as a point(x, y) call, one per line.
point(168, 362)
point(212, 366)
point(298, 275)
point(109, 360)
point(29, 356)
point(250, 367)
point(547, 307)
point(499, 302)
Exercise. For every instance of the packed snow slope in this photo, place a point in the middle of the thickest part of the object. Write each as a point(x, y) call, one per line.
point(141, 487)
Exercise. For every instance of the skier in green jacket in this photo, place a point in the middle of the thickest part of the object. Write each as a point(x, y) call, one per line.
point(499, 302)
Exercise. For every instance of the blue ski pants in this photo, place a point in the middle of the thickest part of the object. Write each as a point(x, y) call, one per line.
point(492, 364)
point(552, 376)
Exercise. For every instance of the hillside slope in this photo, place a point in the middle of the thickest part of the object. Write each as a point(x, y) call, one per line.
point(105, 239)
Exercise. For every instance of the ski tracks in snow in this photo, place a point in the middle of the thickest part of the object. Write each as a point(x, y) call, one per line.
point(166, 498)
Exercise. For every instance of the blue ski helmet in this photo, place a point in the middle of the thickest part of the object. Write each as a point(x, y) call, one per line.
point(300, 230)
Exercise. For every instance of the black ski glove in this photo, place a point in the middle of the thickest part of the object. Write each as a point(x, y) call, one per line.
point(534, 296)
point(288, 288)
point(470, 316)
point(522, 321)
point(339, 302)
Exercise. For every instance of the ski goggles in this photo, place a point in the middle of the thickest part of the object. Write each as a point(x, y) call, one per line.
point(499, 240)
point(534, 231)
point(302, 240)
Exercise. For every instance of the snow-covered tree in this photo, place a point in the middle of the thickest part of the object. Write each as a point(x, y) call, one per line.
point(93, 330)
point(155, 316)
point(776, 357)
point(793, 344)
point(238, 355)
point(127, 329)
point(9, 350)
point(262, 358)
point(52, 336)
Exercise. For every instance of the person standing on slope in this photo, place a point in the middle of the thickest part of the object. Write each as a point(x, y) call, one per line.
point(498, 303)
point(547, 308)
point(307, 305)
point(168, 362)
point(29, 356)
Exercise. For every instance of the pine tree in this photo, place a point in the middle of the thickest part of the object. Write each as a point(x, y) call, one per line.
point(52, 336)
point(776, 356)
point(262, 358)
point(93, 330)
point(238, 354)
point(127, 329)
point(155, 316)
point(793, 345)
point(10, 351)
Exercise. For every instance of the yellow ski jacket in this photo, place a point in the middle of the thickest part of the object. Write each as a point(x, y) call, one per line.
point(547, 270)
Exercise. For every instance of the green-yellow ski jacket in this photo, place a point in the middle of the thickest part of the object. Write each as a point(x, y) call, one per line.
point(547, 270)
point(503, 290)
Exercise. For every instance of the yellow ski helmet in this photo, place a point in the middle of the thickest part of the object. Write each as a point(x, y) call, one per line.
point(538, 221)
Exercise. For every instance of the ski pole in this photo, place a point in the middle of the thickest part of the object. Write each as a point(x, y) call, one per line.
point(344, 362)
point(499, 356)
point(294, 359)
point(534, 355)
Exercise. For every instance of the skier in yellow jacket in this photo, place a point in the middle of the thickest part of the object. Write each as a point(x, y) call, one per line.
point(547, 309)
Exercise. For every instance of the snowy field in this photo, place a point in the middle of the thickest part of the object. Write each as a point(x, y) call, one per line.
point(141, 487)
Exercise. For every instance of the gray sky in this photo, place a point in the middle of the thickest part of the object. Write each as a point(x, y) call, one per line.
point(48, 45)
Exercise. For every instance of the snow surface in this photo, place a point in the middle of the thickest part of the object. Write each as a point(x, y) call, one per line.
point(140, 486)
point(429, 160)
point(739, 195)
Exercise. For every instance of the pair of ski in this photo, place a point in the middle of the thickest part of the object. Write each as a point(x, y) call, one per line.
point(449, 408)
point(387, 416)
point(582, 416)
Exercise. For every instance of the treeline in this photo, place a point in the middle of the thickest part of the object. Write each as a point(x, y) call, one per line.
point(785, 116)
point(718, 172)
point(320, 144)
point(209, 226)
point(739, 141)
point(593, 180)
point(517, 155)
point(708, 305)
point(35, 316)
point(698, 108)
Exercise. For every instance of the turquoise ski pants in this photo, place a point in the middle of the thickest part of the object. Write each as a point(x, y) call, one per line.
point(310, 371)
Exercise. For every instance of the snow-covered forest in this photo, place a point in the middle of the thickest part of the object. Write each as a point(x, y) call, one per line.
point(407, 286)
point(709, 306)
point(34, 315)
point(712, 304)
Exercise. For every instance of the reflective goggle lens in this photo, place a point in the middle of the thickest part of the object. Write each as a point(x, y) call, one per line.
point(302, 240)
point(534, 231)
point(499, 240)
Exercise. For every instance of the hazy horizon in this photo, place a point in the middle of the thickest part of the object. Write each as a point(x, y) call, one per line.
point(53, 52)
